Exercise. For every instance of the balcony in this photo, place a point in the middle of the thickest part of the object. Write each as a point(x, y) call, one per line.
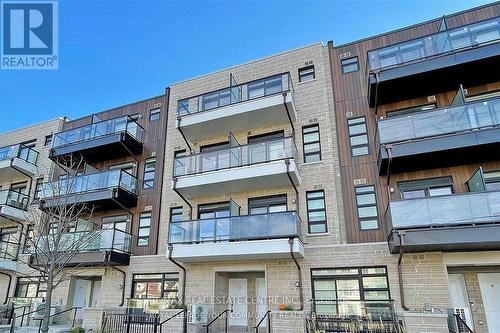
point(238, 169)
point(17, 162)
point(102, 140)
point(261, 103)
point(113, 189)
point(95, 248)
point(8, 255)
point(466, 221)
point(13, 206)
point(248, 237)
point(463, 134)
point(437, 62)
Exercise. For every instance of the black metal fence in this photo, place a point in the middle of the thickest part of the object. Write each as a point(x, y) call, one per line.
point(130, 323)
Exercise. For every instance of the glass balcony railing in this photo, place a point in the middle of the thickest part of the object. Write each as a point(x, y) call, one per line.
point(88, 241)
point(236, 228)
point(463, 208)
point(90, 182)
point(235, 157)
point(99, 129)
point(8, 250)
point(20, 151)
point(452, 40)
point(441, 121)
point(14, 199)
point(239, 93)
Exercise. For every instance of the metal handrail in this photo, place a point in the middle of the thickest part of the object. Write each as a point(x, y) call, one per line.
point(462, 324)
point(268, 315)
point(171, 317)
point(218, 316)
point(75, 308)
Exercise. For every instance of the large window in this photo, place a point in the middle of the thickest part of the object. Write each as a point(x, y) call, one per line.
point(307, 74)
point(351, 292)
point(156, 286)
point(270, 204)
point(311, 143)
point(144, 229)
point(367, 207)
point(358, 136)
point(316, 211)
point(149, 172)
point(30, 287)
point(429, 187)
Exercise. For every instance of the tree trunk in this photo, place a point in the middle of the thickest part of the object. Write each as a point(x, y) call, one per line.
point(48, 301)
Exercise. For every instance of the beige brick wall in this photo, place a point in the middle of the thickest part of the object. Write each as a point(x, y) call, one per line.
point(426, 323)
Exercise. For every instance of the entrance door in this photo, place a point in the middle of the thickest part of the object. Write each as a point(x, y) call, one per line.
point(81, 296)
point(96, 295)
point(460, 298)
point(238, 296)
point(261, 300)
point(490, 291)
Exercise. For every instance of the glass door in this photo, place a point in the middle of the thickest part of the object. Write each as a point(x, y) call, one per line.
point(214, 222)
point(476, 183)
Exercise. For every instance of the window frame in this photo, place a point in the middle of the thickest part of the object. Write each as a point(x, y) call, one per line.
point(367, 144)
point(38, 189)
point(162, 280)
point(310, 143)
point(267, 202)
point(360, 219)
point(148, 227)
point(439, 182)
point(344, 65)
point(323, 222)
point(48, 140)
point(149, 161)
point(36, 280)
point(306, 69)
point(155, 114)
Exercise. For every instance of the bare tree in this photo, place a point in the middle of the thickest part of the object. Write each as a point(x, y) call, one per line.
point(53, 240)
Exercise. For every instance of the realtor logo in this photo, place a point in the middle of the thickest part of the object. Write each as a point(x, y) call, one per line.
point(29, 35)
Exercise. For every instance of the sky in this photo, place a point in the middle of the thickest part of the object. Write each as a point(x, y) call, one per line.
point(115, 52)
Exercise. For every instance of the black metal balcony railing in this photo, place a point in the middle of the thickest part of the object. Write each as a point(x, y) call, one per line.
point(446, 210)
point(20, 151)
point(90, 241)
point(99, 129)
point(448, 120)
point(239, 93)
point(14, 199)
point(91, 182)
point(236, 228)
point(235, 157)
point(440, 43)
point(9, 250)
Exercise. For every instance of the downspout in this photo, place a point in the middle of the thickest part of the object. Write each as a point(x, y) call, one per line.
point(178, 125)
point(176, 263)
point(288, 111)
point(6, 300)
point(388, 149)
point(376, 92)
point(182, 197)
point(299, 274)
point(123, 284)
point(287, 163)
point(400, 271)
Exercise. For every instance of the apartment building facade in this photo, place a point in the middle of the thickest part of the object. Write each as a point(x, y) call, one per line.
point(350, 184)
point(417, 121)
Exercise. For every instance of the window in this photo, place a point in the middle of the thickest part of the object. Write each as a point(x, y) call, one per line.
point(367, 207)
point(270, 204)
point(306, 74)
point(492, 180)
point(118, 222)
point(351, 291)
point(156, 286)
point(349, 65)
point(154, 114)
point(128, 167)
point(28, 240)
point(358, 136)
point(180, 167)
point(311, 143)
point(30, 287)
point(38, 188)
point(48, 140)
point(175, 214)
point(425, 187)
point(411, 110)
point(149, 172)
point(316, 211)
point(144, 229)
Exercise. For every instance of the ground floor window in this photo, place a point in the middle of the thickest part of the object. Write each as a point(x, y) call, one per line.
point(156, 286)
point(30, 287)
point(362, 291)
